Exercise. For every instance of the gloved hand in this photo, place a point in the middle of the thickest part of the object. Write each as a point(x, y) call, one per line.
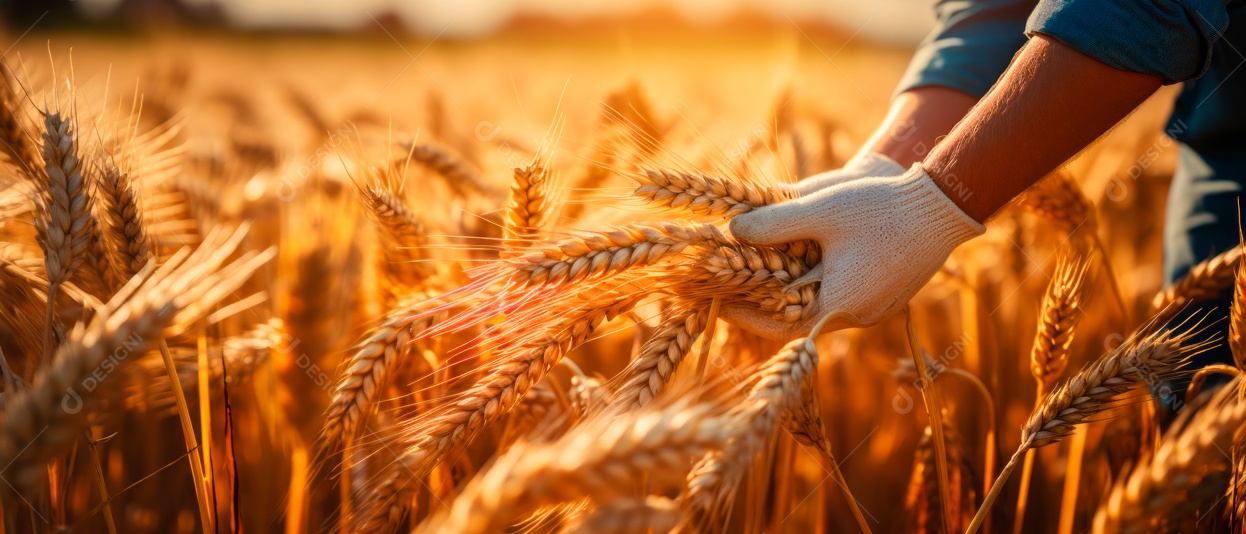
point(860, 166)
point(882, 240)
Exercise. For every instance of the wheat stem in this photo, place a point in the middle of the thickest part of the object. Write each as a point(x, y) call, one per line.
point(934, 409)
point(101, 483)
point(998, 486)
point(194, 455)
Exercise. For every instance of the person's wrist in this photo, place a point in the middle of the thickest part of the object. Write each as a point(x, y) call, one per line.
point(924, 192)
point(940, 169)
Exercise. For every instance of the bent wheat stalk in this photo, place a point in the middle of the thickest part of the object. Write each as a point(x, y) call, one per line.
point(777, 397)
point(1139, 361)
point(1057, 322)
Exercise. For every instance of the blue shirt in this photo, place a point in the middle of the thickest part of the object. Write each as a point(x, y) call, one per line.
point(1190, 41)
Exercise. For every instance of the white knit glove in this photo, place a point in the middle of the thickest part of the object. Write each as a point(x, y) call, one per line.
point(860, 166)
point(882, 240)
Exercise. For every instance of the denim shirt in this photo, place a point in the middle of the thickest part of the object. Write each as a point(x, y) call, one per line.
point(1190, 41)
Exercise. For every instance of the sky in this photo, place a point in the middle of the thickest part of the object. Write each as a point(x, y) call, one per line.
point(891, 21)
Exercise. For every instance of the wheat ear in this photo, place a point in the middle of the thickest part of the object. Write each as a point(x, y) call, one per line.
point(702, 194)
point(602, 254)
point(1204, 281)
point(1057, 322)
point(455, 424)
point(1058, 198)
point(652, 368)
point(365, 370)
point(1188, 469)
point(125, 232)
point(776, 392)
point(599, 459)
point(1237, 317)
point(403, 236)
point(62, 222)
point(1136, 362)
point(14, 141)
point(49, 416)
point(630, 516)
point(736, 272)
point(529, 206)
point(458, 174)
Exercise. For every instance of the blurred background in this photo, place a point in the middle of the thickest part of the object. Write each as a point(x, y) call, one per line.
point(899, 21)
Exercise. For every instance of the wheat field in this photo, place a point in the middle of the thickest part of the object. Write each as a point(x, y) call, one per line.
point(318, 283)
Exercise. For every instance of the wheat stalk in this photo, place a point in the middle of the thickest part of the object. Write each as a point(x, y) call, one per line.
point(777, 393)
point(1136, 362)
point(365, 370)
point(1188, 469)
point(48, 417)
point(456, 423)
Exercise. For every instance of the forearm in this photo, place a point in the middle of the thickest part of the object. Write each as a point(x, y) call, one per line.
point(916, 120)
point(1050, 104)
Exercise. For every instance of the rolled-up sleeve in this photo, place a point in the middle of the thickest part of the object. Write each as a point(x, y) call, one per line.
point(971, 45)
point(1167, 38)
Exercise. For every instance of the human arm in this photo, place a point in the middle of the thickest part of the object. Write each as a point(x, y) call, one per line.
point(884, 238)
point(968, 49)
point(1050, 104)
